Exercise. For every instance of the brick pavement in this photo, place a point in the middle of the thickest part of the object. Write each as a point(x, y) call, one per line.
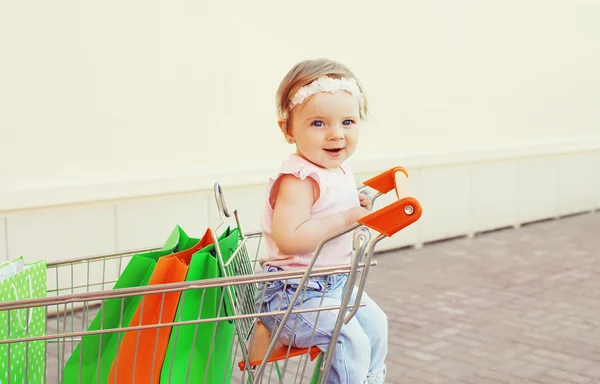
point(513, 306)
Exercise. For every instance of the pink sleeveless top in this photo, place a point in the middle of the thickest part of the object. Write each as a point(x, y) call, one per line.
point(337, 193)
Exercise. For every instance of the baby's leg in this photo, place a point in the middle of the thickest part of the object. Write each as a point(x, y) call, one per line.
point(350, 362)
point(374, 323)
point(351, 359)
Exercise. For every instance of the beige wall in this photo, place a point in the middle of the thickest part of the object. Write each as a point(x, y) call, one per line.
point(106, 109)
point(115, 91)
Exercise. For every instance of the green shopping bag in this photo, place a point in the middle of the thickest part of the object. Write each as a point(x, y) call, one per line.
point(183, 354)
point(92, 359)
point(24, 362)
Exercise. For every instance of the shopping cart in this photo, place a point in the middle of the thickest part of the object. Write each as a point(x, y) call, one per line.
point(246, 352)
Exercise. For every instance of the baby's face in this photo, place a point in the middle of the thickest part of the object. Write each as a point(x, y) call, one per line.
point(325, 128)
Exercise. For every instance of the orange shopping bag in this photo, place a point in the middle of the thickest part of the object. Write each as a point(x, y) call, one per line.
point(142, 352)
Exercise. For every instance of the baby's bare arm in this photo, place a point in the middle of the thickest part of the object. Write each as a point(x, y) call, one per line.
point(293, 230)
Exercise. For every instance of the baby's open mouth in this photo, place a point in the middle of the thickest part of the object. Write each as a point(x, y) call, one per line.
point(333, 150)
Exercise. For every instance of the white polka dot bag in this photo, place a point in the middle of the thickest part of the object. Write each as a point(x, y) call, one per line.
point(23, 362)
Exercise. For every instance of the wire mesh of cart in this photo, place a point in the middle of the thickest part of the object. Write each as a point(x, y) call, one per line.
point(198, 330)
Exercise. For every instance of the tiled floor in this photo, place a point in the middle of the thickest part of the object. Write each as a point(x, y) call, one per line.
point(513, 306)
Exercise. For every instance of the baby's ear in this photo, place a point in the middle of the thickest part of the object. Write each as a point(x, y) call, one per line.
point(284, 129)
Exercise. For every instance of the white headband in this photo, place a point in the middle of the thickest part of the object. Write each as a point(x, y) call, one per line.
point(328, 84)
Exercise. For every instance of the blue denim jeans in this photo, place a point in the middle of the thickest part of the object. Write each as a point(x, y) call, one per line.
point(361, 349)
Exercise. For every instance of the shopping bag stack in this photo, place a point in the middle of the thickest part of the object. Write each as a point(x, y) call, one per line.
point(22, 362)
point(169, 354)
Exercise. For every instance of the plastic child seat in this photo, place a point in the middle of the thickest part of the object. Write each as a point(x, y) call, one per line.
point(260, 344)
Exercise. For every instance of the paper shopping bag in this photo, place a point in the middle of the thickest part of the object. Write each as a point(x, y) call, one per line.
point(22, 362)
point(142, 352)
point(192, 355)
point(92, 359)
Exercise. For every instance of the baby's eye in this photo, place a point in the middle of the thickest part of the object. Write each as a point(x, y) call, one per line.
point(348, 122)
point(318, 123)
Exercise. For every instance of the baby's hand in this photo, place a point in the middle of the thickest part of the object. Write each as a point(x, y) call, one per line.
point(365, 201)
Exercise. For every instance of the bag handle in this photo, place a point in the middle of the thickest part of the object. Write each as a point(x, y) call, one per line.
point(20, 320)
point(13, 265)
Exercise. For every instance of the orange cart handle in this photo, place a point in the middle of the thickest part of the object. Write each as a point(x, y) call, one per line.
point(396, 216)
point(386, 181)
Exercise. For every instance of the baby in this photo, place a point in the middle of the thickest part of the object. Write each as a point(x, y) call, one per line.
point(320, 104)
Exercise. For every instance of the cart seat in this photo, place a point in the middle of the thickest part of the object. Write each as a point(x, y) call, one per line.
point(260, 344)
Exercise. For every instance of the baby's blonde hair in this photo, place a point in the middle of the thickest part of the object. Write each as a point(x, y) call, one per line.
point(304, 73)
